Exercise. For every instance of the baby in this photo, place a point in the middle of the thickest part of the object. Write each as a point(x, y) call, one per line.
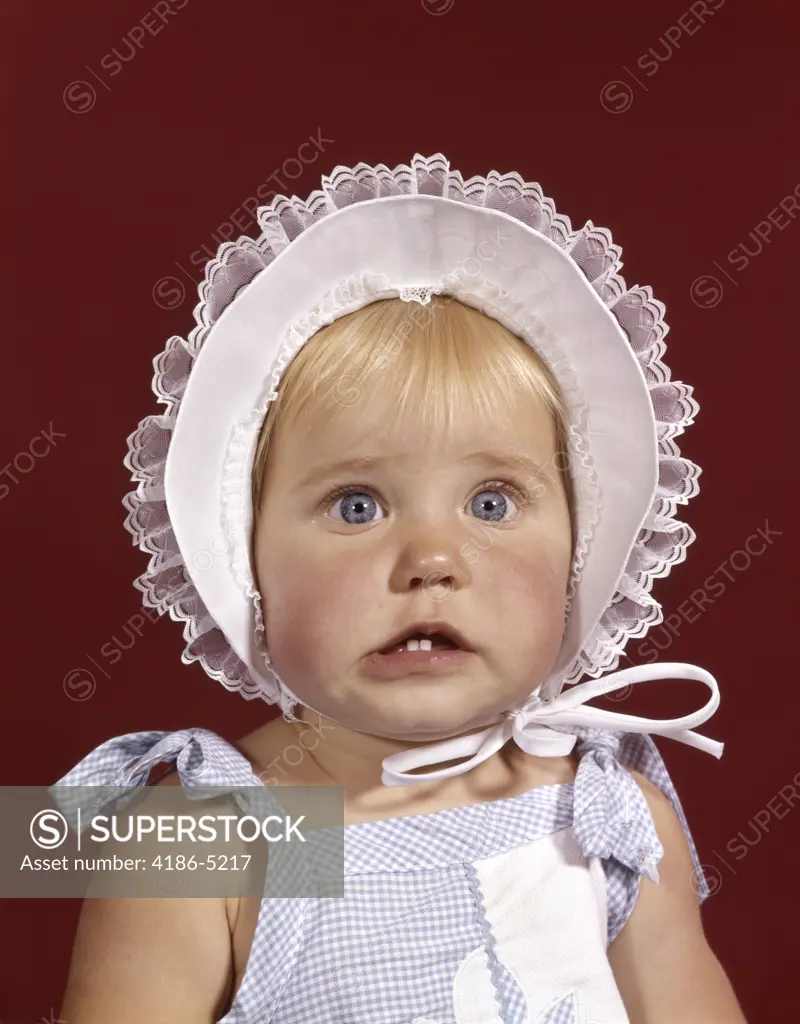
point(415, 550)
point(433, 504)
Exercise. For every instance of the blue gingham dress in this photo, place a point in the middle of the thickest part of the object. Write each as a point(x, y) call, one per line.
point(494, 913)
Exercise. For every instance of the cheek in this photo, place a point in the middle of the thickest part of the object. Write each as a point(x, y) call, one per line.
point(531, 587)
point(314, 607)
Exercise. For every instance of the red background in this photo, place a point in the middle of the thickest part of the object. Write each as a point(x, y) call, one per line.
point(103, 202)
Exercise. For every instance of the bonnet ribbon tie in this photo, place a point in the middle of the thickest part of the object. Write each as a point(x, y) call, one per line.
point(531, 726)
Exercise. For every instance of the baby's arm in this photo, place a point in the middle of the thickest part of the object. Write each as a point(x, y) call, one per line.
point(663, 965)
point(154, 959)
point(164, 961)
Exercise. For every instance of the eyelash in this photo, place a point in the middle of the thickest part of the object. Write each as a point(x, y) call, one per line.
point(515, 489)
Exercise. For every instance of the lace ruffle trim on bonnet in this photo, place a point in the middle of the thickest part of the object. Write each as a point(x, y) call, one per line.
point(662, 541)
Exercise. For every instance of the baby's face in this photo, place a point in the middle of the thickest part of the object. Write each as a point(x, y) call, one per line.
point(346, 558)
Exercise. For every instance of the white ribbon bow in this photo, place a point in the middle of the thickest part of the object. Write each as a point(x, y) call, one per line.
point(529, 726)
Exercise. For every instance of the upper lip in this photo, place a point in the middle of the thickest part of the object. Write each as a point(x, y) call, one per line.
point(428, 628)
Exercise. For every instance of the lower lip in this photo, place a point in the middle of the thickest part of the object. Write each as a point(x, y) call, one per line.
point(402, 663)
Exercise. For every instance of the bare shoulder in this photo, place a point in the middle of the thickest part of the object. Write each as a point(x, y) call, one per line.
point(241, 916)
point(653, 795)
point(233, 904)
point(668, 826)
point(163, 958)
point(661, 959)
point(676, 892)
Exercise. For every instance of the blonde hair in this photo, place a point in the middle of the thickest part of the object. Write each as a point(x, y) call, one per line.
point(429, 356)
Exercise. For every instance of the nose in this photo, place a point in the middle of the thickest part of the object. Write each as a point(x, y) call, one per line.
point(431, 564)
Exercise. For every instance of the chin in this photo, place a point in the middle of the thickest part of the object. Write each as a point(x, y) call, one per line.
point(429, 720)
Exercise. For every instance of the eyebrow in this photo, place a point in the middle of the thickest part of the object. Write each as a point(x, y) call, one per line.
point(509, 460)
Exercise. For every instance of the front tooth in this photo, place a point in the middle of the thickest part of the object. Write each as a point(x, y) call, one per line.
point(413, 645)
point(425, 645)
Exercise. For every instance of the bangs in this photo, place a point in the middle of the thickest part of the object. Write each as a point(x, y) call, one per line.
point(435, 363)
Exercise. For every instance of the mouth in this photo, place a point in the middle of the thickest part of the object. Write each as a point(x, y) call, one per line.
point(422, 648)
point(426, 636)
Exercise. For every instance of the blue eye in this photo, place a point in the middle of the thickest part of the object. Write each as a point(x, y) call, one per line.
point(493, 504)
point(356, 507)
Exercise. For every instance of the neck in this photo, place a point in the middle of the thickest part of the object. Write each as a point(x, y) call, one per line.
point(317, 752)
